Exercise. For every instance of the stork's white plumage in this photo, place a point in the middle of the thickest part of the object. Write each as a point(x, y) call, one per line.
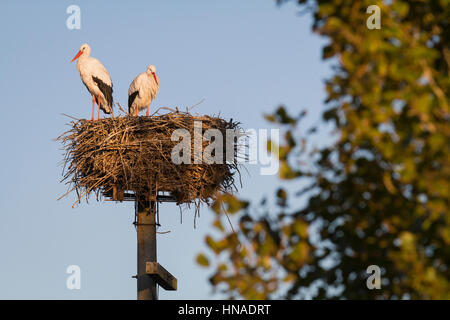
point(96, 79)
point(142, 91)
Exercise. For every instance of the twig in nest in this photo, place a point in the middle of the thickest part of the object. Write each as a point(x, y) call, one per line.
point(70, 117)
point(120, 107)
point(188, 109)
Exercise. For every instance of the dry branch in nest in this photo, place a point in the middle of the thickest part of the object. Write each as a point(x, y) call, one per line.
point(134, 154)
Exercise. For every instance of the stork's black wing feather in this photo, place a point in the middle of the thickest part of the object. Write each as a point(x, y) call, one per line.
point(131, 98)
point(105, 89)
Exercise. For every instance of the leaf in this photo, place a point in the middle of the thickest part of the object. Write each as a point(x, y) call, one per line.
point(388, 183)
point(300, 253)
point(218, 224)
point(202, 260)
point(281, 197)
point(286, 171)
point(300, 227)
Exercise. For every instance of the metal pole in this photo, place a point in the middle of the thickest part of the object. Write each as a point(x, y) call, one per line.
point(146, 236)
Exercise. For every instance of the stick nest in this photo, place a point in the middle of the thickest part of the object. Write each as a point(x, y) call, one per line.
point(133, 154)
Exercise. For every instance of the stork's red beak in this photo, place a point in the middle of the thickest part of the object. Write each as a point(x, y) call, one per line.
point(77, 56)
point(156, 80)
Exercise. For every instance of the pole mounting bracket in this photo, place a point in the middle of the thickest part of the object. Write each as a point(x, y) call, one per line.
point(162, 276)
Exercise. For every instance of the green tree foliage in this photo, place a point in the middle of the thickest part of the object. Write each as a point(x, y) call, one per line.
point(377, 195)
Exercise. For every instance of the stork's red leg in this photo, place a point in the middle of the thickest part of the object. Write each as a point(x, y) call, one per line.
point(93, 106)
point(147, 108)
point(137, 111)
point(98, 114)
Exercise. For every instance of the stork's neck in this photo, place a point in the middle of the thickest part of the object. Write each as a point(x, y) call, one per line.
point(82, 59)
point(85, 55)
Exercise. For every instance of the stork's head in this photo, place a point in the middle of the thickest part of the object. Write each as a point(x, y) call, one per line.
point(85, 50)
point(151, 69)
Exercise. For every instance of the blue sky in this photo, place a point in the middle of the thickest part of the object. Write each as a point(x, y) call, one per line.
point(243, 57)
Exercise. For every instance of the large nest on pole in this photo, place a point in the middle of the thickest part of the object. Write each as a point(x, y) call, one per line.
point(113, 156)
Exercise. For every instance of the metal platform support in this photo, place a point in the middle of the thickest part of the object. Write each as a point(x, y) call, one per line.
point(150, 273)
point(146, 249)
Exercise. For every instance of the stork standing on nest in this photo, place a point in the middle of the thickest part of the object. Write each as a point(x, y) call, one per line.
point(142, 91)
point(96, 79)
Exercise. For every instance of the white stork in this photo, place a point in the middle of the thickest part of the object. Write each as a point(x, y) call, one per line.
point(142, 91)
point(96, 79)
